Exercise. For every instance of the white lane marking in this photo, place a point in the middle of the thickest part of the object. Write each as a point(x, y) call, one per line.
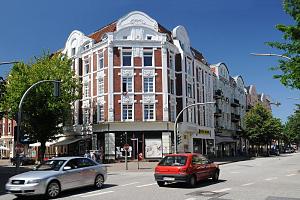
point(192, 198)
point(129, 184)
point(291, 175)
point(271, 178)
point(90, 195)
point(146, 185)
point(247, 184)
point(235, 172)
point(222, 190)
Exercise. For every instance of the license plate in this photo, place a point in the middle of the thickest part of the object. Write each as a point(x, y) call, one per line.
point(169, 179)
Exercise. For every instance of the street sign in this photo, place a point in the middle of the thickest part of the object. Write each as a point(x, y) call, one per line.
point(19, 148)
point(126, 147)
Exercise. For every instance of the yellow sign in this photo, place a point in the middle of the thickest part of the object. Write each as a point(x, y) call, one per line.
point(205, 132)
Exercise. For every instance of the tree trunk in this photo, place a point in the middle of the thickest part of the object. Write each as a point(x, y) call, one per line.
point(42, 151)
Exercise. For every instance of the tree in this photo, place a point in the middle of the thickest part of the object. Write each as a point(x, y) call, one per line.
point(261, 126)
point(43, 114)
point(292, 128)
point(290, 69)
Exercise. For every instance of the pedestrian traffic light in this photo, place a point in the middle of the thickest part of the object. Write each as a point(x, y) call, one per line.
point(179, 139)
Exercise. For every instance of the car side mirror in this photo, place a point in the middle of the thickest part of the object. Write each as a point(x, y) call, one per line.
point(66, 168)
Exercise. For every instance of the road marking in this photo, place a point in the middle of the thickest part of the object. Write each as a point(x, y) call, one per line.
point(192, 198)
point(235, 172)
point(291, 175)
point(146, 185)
point(129, 184)
point(247, 184)
point(90, 195)
point(271, 178)
point(222, 190)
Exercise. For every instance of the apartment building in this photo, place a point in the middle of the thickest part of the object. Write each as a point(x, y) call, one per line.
point(136, 77)
point(230, 97)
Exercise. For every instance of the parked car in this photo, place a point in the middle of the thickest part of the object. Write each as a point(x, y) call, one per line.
point(24, 160)
point(188, 168)
point(58, 174)
point(289, 150)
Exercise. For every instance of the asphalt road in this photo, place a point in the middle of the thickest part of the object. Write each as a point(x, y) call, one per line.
point(272, 178)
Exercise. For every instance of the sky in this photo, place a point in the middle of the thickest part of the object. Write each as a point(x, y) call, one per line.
point(224, 31)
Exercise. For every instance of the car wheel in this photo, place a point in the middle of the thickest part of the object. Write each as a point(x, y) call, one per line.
point(99, 180)
point(216, 175)
point(160, 183)
point(192, 181)
point(53, 189)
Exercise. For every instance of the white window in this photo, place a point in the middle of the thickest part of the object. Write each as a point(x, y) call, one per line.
point(149, 37)
point(100, 61)
point(171, 86)
point(172, 113)
point(190, 115)
point(86, 90)
point(171, 61)
point(127, 84)
point(100, 86)
point(9, 128)
point(148, 84)
point(189, 68)
point(73, 51)
point(189, 90)
point(86, 66)
point(86, 47)
point(148, 112)
point(127, 112)
point(147, 57)
point(100, 113)
point(86, 116)
point(126, 58)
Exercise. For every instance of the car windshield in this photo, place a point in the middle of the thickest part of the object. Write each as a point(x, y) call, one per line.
point(50, 165)
point(173, 161)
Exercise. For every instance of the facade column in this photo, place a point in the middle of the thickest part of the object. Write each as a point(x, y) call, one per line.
point(110, 79)
point(164, 59)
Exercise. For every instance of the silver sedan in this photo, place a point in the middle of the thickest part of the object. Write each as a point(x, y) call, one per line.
point(56, 175)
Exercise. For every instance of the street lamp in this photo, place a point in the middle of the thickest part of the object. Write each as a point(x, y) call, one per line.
point(56, 92)
point(10, 62)
point(177, 118)
point(137, 149)
point(271, 54)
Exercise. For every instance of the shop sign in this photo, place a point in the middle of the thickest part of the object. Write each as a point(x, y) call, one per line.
point(204, 132)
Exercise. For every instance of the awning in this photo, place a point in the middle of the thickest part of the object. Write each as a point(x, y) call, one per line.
point(224, 140)
point(38, 144)
point(67, 141)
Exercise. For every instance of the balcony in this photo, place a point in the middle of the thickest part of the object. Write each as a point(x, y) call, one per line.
point(235, 103)
point(235, 118)
point(218, 113)
point(218, 94)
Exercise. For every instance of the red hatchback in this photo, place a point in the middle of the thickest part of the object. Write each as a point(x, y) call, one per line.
point(188, 167)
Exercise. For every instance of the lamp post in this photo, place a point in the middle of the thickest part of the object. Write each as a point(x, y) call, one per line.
point(271, 54)
point(10, 62)
point(137, 149)
point(56, 93)
point(177, 118)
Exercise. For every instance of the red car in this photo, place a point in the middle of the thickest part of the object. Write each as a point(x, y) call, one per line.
point(188, 167)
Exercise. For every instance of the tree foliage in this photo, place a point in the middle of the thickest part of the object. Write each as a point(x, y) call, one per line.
point(42, 113)
point(261, 126)
point(290, 69)
point(292, 128)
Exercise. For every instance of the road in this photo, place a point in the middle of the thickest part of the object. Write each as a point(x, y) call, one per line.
point(271, 178)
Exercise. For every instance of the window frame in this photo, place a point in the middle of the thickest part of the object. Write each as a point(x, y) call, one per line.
point(126, 106)
point(125, 53)
point(146, 55)
point(149, 112)
point(147, 87)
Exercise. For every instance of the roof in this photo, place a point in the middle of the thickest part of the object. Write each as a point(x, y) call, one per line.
point(97, 36)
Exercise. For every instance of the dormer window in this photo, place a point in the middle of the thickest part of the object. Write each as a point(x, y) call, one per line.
point(149, 37)
point(104, 37)
point(86, 46)
point(125, 37)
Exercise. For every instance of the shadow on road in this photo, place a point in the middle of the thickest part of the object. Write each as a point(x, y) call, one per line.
point(200, 184)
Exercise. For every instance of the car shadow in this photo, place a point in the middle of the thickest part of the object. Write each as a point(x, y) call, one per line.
point(200, 184)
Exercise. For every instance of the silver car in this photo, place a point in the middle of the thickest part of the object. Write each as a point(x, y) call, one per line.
point(56, 175)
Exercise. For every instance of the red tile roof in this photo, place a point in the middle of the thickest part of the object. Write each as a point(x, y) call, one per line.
point(97, 36)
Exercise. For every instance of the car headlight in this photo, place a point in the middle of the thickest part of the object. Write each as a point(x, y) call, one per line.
point(34, 181)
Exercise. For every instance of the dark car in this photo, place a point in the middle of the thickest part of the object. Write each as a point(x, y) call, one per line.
point(24, 160)
point(188, 168)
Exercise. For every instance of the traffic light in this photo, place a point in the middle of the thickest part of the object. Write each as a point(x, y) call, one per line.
point(179, 139)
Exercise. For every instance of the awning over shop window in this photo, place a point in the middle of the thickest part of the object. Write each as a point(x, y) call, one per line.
point(224, 140)
point(67, 141)
point(38, 144)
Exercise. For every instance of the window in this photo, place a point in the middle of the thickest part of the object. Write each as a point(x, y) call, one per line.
point(86, 118)
point(147, 58)
point(189, 90)
point(149, 37)
point(87, 46)
point(100, 113)
point(86, 90)
point(9, 128)
point(73, 51)
point(148, 84)
point(171, 61)
point(172, 113)
point(100, 61)
point(127, 112)
point(127, 84)
point(86, 66)
point(126, 58)
point(100, 86)
point(148, 112)
point(171, 86)
point(189, 68)
point(125, 37)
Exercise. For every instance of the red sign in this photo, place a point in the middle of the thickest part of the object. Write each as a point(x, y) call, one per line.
point(19, 148)
point(126, 147)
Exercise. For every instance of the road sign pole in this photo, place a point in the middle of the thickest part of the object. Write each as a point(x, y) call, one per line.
point(126, 163)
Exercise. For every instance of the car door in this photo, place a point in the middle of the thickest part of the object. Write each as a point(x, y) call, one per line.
point(207, 167)
point(88, 171)
point(70, 178)
point(198, 168)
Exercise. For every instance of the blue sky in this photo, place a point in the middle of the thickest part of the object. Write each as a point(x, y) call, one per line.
point(224, 31)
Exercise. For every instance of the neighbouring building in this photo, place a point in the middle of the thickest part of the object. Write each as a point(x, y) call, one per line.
point(7, 137)
point(230, 100)
point(136, 77)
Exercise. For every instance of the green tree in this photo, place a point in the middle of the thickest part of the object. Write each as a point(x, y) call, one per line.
point(261, 126)
point(292, 128)
point(43, 114)
point(290, 68)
